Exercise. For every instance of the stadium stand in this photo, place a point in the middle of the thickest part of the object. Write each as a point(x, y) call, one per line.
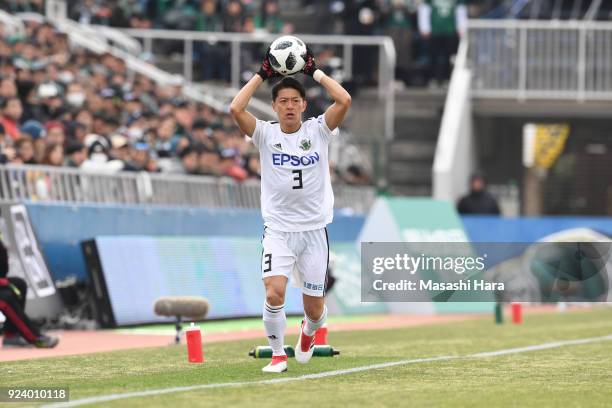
point(54, 91)
point(159, 132)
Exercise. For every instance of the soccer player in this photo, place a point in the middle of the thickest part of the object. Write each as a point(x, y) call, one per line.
point(296, 200)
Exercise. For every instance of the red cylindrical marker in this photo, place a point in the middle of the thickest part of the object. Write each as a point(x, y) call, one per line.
point(195, 353)
point(517, 313)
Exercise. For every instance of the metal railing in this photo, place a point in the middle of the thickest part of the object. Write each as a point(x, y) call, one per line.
point(541, 59)
point(386, 56)
point(68, 185)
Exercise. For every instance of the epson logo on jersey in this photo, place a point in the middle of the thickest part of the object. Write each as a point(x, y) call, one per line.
point(280, 159)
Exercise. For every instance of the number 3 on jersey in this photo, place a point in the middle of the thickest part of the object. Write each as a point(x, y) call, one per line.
point(267, 263)
point(297, 177)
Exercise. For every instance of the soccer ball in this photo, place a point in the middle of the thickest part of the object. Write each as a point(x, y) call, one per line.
point(287, 55)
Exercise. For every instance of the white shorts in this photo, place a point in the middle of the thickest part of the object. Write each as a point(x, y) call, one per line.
point(301, 255)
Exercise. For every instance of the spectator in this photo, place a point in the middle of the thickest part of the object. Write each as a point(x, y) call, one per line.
point(479, 200)
point(33, 129)
point(55, 133)
point(132, 109)
point(166, 143)
point(397, 24)
point(209, 19)
point(184, 115)
point(208, 162)
point(269, 19)
point(441, 23)
point(11, 113)
point(75, 95)
point(76, 154)
point(201, 135)
point(51, 104)
point(361, 17)
point(36, 132)
point(189, 160)
point(253, 166)
point(213, 57)
point(25, 151)
point(98, 159)
point(139, 20)
point(54, 155)
point(7, 152)
point(86, 119)
point(229, 167)
point(233, 20)
point(108, 121)
point(181, 16)
point(139, 156)
point(8, 89)
point(120, 150)
point(355, 174)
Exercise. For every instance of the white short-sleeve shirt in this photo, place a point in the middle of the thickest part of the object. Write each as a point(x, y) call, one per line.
point(296, 191)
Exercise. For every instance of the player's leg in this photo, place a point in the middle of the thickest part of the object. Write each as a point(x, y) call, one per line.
point(276, 265)
point(17, 296)
point(17, 324)
point(312, 263)
point(21, 289)
point(19, 330)
point(274, 318)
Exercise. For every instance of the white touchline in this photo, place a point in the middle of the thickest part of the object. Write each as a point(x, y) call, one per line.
point(149, 393)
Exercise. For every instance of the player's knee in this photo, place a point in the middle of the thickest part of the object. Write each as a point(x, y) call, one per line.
point(314, 311)
point(274, 298)
point(21, 285)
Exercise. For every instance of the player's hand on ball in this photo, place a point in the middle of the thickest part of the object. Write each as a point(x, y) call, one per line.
point(310, 66)
point(266, 71)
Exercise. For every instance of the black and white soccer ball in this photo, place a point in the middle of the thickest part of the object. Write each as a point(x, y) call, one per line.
point(287, 55)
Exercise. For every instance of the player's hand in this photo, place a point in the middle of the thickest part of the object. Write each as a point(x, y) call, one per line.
point(266, 71)
point(310, 66)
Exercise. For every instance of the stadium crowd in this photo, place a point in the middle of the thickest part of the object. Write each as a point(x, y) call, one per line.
point(62, 105)
point(421, 56)
point(66, 106)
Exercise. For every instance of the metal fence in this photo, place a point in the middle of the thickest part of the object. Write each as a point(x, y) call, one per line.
point(238, 42)
point(541, 59)
point(66, 185)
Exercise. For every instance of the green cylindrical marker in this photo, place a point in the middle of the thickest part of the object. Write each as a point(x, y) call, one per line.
point(499, 313)
point(324, 351)
point(266, 352)
point(319, 351)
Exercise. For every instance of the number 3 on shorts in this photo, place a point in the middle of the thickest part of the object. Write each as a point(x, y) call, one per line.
point(267, 263)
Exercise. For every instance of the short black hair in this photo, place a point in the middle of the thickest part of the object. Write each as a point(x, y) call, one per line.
point(288, 82)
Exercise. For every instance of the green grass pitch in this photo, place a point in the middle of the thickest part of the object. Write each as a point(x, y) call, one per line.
point(568, 376)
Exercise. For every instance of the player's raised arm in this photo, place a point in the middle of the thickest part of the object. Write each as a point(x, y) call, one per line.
point(334, 115)
point(245, 120)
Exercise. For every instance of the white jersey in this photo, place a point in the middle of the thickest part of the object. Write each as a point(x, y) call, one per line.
point(296, 191)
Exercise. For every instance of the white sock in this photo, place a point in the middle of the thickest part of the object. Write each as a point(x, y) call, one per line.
point(311, 327)
point(275, 323)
